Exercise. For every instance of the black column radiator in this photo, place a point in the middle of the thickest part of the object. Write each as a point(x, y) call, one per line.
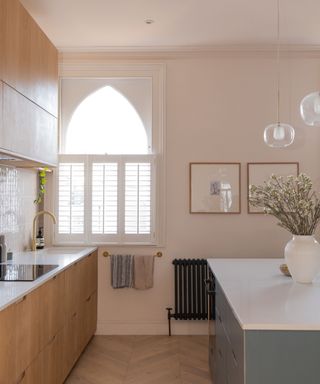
point(193, 291)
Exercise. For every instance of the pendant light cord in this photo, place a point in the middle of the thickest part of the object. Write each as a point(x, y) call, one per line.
point(278, 61)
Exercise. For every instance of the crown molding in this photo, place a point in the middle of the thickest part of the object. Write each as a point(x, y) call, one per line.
point(164, 52)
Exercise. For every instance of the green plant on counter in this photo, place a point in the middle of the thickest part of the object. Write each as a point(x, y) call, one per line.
point(42, 183)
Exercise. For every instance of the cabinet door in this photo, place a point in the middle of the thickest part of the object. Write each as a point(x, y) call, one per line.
point(27, 343)
point(2, 27)
point(53, 360)
point(52, 315)
point(90, 317)
point(30, 61)
point(47, 367)
point(220, 366)
point(70, 351)
point(28, 129)
point(82, 280)
point(72, 293)
point(1, 109)
point(7, 350)
point(92, 272)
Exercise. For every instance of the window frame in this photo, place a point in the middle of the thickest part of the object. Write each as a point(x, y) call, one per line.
point(99, 68)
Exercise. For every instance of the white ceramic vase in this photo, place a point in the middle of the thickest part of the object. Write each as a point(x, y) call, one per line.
point(302, 255)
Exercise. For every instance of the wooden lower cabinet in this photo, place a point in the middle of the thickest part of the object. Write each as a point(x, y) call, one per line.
point(48, 366)
point(27, 325)
point(41, 339)
point(7, 350)
point(52, 311)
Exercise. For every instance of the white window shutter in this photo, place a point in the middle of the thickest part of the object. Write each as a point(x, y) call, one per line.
point(138, 198)
point(71, 198)
point(105, 198)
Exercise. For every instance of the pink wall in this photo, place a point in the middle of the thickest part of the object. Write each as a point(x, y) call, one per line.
point(217, 108)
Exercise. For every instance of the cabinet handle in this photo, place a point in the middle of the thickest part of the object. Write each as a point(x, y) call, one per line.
point(89, 298)
point(21, 377)
point(219, 318)
point(53, 339)
point(234, 357)
point(54, 277)
point(220, 353)
point(74, 315)
point(22, 299)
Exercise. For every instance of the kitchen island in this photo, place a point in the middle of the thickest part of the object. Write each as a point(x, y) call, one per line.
point(267, 327)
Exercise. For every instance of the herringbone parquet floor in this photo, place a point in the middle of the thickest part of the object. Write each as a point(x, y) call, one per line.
point(143, 360)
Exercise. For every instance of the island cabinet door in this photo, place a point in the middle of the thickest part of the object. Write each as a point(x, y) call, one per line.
point(220, 358)
point(282, 356)
point(229, 350)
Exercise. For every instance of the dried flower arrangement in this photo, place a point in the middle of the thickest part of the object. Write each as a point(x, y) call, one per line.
point(291, 200)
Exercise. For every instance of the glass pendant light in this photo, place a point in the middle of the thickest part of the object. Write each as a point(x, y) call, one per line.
point(279, 135)
point(310, 109)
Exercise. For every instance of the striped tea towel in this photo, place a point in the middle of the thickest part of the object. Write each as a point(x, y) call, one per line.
point(121, 271)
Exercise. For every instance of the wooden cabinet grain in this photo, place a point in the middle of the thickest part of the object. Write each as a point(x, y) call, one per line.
point(29, 78)
point(27, 129)
point(27, 338)
point(47, 367)
point(30, 61)
point(7, 350)
point(52, 311)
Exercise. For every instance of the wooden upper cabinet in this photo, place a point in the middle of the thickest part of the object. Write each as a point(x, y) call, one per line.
point(29, 59)
point(1, 35)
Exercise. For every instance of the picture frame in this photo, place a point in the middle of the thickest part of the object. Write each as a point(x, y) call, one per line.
point(215, 188)
point(257, 173)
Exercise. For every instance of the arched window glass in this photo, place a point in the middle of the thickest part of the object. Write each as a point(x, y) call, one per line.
point(105, 122)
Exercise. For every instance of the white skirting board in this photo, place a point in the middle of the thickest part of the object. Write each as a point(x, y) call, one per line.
point(152, 328)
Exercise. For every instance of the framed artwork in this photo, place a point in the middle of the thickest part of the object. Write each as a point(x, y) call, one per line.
point(258, 173)
point(215, 188)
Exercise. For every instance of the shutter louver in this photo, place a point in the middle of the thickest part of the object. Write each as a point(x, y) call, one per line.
point(137, 198)
point(71, 198)
point(104, 198)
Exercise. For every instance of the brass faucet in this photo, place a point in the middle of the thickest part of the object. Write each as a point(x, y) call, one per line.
point(33, 247)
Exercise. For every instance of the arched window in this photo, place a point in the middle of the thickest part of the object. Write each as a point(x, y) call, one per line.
point(105, 122)
point(110, 142)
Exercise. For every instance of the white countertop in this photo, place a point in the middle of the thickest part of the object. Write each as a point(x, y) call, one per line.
point(12, 291)
point(264, 299)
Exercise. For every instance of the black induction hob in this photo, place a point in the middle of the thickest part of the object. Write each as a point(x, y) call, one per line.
point(24, 272)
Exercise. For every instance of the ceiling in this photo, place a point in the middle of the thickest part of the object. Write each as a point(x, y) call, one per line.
point(92, 24)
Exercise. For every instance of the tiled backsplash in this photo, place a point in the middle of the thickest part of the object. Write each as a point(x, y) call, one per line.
point(18, 189)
